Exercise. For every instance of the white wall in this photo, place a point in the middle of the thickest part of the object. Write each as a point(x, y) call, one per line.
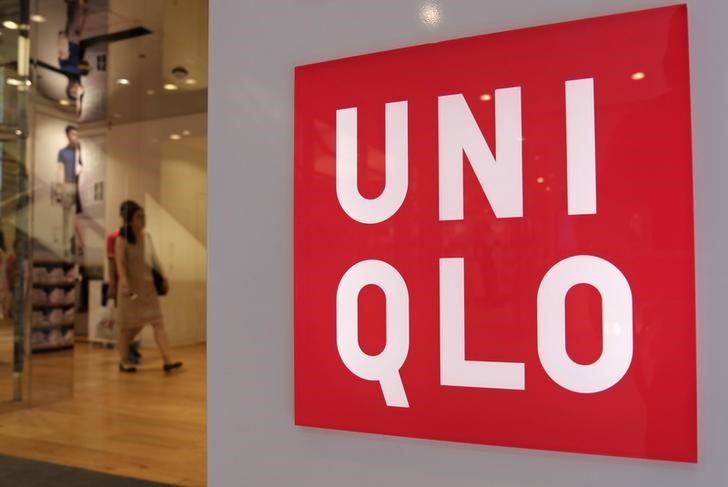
point(252, 440)
point(168, 178)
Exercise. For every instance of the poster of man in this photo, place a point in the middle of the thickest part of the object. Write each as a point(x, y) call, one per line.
point(65, 193)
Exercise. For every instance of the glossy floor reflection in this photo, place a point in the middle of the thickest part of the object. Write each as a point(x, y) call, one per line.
point(144, 425)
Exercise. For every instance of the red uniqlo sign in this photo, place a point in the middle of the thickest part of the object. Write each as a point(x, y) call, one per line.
point(494, 240)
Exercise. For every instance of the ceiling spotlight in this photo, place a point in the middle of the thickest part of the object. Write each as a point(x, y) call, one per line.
point(123, 81)
point(430, 13)
point(638, 75)
point(485, 97)
point(539, 180)
point(186, 132)
point(18, 132)
point(150, 92)
point(64, 103)
point(13, 82)
point(171, 87)
point(37, 18)
point(9, 24)
point(175, 136)
point(190, 81)
point(28, 82)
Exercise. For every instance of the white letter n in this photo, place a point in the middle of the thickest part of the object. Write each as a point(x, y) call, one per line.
point(501, 178)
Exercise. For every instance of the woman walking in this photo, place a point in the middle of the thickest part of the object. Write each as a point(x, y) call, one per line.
point(138, 300)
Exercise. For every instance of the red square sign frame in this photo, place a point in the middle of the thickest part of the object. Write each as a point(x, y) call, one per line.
point(493, 240)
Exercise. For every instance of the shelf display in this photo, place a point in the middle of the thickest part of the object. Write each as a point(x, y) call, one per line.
point(54, 301)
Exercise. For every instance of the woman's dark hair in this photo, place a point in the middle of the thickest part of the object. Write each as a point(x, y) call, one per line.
point(128, 210)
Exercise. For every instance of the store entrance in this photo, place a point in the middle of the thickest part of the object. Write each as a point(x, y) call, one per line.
point(103, 242)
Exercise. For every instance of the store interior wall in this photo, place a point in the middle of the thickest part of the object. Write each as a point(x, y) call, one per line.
point(252, 439)
point(169, 178)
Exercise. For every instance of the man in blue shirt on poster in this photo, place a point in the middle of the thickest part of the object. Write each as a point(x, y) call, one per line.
point(66, 192)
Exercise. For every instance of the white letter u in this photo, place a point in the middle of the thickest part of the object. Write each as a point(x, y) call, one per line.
point(374, 210)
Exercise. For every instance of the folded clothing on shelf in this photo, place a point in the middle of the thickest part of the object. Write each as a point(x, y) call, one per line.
point(57, 296)
point(56, 317)
point(38, 339)
point(39, 296)
point(41, 339)
point(57, 276)
point(40, 274)
point(69, 316)
point(38, 318)
point(55, 338)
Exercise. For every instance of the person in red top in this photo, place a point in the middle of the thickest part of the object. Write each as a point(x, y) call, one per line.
point(134, 355)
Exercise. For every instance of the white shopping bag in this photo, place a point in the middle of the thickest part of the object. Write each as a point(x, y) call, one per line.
point(106, 327)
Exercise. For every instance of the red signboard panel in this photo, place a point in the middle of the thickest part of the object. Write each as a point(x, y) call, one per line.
point(494, 240)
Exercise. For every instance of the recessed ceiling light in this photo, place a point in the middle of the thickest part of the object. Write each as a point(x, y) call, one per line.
point(175, 136)
point(28, 82)
point(64, 103)
point(191, 81)
point(18, 132)
point(638, 75)
point(186, 132)
point(171, 87)
point(150, 92)
point(13, 82)
point(37, 18)
point(485, 97)
point(9, 24)
point(123, 81)
point(539, 180)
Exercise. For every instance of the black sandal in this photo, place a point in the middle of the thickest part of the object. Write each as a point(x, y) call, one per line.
point(126, 368)
point(171, 366)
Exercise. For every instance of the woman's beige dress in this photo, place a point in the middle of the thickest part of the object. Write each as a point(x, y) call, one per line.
point(144, 309)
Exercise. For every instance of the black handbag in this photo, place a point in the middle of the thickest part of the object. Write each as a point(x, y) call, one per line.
point(159, 282)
